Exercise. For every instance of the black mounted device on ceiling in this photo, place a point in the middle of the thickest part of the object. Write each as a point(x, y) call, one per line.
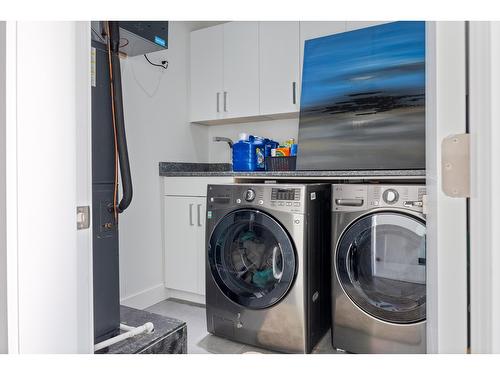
point(136, 37)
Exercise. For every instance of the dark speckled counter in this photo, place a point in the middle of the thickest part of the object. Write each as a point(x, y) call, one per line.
point(173, 169)
point(169, 335)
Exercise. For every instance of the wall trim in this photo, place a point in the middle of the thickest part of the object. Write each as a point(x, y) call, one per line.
point(146, 297)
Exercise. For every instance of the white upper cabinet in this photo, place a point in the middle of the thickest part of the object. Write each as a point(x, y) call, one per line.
point(317, 29)
point(355, 25)
point(252, 70)
point(279, 67)
point(207, 73)
point(241, 69)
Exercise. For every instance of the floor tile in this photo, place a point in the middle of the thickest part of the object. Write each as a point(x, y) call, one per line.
point(202, 342)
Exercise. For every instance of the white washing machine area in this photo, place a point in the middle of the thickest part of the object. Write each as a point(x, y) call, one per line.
point(267, 263)
point(378, 268)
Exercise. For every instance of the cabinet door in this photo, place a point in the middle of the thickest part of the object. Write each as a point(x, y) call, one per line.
point(279, 67)
point(206, 73)
point(241, 69)
point(355, 25)
point(181, 244)
point(200, 204)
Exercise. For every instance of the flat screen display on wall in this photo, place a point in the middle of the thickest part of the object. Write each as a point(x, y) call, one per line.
point(363, 99)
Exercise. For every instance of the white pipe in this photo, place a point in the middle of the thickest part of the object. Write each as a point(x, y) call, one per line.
point(130, 332)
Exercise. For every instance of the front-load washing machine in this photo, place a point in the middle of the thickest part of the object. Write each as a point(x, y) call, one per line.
point(267, 264)
point(378, 262)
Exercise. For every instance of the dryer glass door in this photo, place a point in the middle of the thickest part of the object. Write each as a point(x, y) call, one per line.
point(251, 258)
point(381, 265)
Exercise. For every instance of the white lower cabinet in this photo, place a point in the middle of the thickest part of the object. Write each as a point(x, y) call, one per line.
point(184, 212)
point(185, 243)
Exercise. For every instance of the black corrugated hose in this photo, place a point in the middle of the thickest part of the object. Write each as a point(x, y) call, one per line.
point(120, 122)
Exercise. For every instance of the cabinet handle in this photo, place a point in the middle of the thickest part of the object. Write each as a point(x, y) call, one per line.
point(198, 208)
point(225, 101)
point(191, 214)
point(218, 100)
point(294, 92)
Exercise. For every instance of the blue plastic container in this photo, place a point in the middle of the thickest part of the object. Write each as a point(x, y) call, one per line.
point(249, 155)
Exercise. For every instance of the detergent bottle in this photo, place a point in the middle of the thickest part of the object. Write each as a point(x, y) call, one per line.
point(248, 154)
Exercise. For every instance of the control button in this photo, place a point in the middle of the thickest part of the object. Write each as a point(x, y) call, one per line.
point(261, 201)
point(297, 204)
point(296, 221)
point(390, 196)
point(250, 195)
point(413, 204)
point(238, 200)
point(281, 203)
point(288, 203)
point(375, 203)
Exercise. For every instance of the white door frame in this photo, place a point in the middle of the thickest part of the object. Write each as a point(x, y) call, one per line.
point(11, 186)
point(49, 279)
point(484, 122)
point(446, 217)
point(84, 185)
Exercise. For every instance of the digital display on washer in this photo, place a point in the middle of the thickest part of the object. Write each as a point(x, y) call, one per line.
point(285, 194)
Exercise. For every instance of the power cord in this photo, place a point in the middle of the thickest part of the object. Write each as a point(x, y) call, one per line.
point(163, 64)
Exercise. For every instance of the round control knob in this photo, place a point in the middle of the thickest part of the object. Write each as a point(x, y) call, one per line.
point(390, 196)
point(250, 195)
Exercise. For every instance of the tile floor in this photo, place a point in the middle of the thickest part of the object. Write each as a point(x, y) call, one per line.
point(201, 342)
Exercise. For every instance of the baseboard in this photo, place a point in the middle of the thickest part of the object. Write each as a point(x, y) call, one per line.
point(186, 296)
point(146, 298)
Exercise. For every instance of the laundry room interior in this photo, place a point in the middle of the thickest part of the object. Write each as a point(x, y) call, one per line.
point(250, 187)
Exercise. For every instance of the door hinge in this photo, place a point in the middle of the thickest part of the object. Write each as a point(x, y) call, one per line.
point(82, 217)
point(455, 165)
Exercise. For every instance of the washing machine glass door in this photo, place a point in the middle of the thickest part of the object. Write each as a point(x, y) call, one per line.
point(380, 263)
point(251, 258)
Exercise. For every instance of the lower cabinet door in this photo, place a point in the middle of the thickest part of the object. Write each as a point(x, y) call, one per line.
point(201, 246)
point(182, 243)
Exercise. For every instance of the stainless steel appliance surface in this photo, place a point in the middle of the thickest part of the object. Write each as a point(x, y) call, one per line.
point(267, 264)
point(379, 264)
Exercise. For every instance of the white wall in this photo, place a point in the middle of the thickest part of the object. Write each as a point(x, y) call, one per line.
point(3, 223)
point(156, 120)
point(484, 116)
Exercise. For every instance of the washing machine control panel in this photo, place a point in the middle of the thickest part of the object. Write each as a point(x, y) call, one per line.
point(285, 194)
point(353, 197)
point(288, 198)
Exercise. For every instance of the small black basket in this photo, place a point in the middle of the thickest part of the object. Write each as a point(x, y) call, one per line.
point(281, 163)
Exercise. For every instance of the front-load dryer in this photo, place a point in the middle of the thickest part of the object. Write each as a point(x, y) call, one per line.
point(379, 270)
point(267, 264)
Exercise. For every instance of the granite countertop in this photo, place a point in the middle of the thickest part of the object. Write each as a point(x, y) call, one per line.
point(175, 169)
point(179, 169)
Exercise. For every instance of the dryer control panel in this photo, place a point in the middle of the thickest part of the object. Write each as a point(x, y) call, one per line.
point(352, 197)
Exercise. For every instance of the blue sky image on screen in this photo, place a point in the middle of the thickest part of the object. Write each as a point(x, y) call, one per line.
point(388, 58)
point(361, 90)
